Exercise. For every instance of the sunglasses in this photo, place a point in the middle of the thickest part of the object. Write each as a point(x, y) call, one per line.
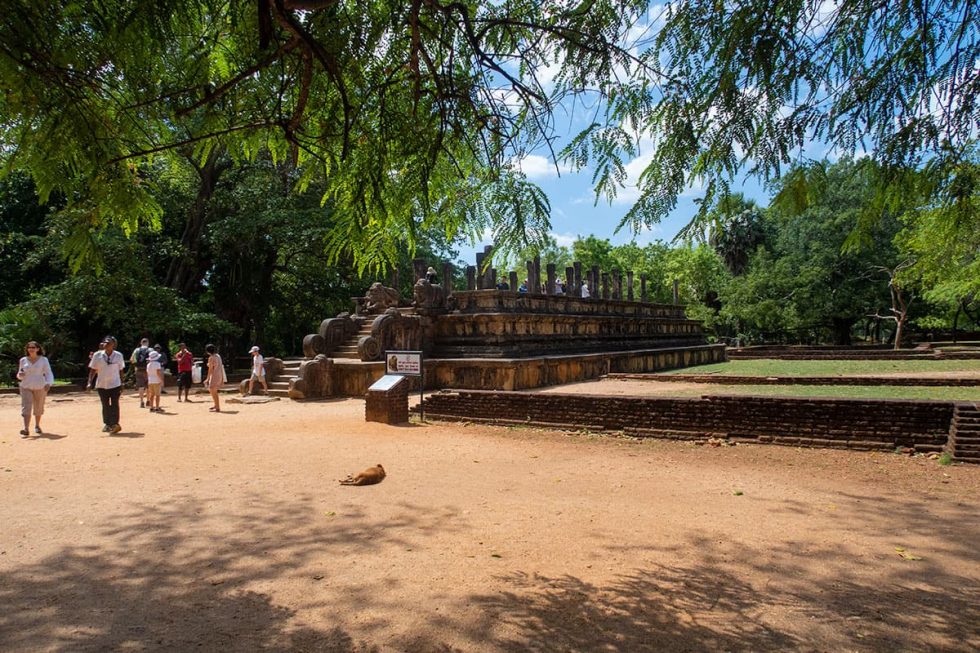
point(31, 347)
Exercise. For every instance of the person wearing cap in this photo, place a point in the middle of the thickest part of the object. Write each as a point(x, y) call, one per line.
point(431, 276)
point(154, 382)
point(108, 365)
point(258, 370)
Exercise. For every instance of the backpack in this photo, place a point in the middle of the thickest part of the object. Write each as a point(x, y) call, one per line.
point(142, 357)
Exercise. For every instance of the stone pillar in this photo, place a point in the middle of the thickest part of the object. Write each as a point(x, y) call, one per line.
point(418, 267)
point(550, 287)
point(447, 279)
point(394, 277)
point(489, 276)
point(530, 277)
point(643, 287)
point(471, 277)
point(594, 283)
point(677, 291)
point(605, 285)
point(577, 266)
point(629, 285)
point(513, 281)
point(617, 284)
point(536, 281)
point(480, 274)
point(570, 288)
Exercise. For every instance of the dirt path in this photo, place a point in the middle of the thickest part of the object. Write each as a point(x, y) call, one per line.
point(222, 532)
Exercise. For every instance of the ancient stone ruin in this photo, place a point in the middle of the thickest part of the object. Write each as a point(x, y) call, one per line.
point(495, 335)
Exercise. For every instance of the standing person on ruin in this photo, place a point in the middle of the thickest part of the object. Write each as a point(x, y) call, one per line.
point(185, 366)
point(108, 365)
point(258, 370)
point(216, 376)
point(431, 276)
point(36, 378)
point(523, 287)
point(154, 382)
point(559, 286)
point(140, 358)
point(585, 291)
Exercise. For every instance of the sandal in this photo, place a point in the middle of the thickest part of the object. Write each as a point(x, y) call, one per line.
point(23, 432)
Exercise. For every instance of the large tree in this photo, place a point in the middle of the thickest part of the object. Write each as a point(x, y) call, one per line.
point(413, 112)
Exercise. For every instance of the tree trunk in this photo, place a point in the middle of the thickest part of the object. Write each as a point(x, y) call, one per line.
point(188, 267)
point(842, 330)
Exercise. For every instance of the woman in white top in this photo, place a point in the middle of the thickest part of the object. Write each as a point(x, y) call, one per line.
point(216, 376)
point(154, 382)
point(35, 376)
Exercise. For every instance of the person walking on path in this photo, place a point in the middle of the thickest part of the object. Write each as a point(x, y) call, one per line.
point(93, 373)
point(185, 366)
point(154, 382)
point(109, 364)
point(216, 376)
point(140, 358)
point(36, 378)
point(258, 371)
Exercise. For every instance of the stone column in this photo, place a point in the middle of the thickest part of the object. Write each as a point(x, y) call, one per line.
point(493, 278)
point(418, 267)
point(643, 287)
point(394, 277)
point(489, 280)
point(594, 284)
point(513, 281)
point(677, 291)
point(471, 277)
point(536, 281)
point(629, 285)
point(570, 288)
point(577, 266)
point(530, 277)
point(617, 284)
point(447, 279)
point(605, 285)
point(550, 287)
point(480, 274)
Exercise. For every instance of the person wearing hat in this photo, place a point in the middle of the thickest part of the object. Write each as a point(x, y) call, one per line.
point(258, 370)
point(431, 276)
point(140, 358)
point(154, 382)
point(108, 365)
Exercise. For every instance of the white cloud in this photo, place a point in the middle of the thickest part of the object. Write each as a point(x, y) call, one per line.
point(564, 240)
point(535, 166)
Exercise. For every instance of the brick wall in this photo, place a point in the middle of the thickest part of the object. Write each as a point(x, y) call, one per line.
point(847, 423)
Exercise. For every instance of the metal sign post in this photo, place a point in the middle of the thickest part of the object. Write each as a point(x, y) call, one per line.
point(407, 363)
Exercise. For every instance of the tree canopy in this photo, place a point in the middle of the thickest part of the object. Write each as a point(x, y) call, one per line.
point(412, 113)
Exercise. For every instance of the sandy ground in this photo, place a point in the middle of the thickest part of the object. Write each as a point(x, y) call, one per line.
point(228, 532)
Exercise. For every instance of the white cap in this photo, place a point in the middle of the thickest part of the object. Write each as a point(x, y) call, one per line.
point(253, 349)
point(154, 355)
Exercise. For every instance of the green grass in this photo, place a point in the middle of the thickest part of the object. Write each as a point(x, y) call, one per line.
point(772, 367)
point(829, 391)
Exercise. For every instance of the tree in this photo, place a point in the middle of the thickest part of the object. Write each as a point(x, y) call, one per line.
point(412, 113)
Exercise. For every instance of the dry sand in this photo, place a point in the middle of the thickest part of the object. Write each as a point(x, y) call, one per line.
point(228, 532)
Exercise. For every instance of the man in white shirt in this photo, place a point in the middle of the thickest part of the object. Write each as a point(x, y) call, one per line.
point(258, 370)
point(109, 364)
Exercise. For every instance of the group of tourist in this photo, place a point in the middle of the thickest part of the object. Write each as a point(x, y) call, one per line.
point(106, 367)
point(559, 287)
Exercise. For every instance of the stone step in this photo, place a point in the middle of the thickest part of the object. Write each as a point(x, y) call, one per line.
point(965, 440)
point(278, 393)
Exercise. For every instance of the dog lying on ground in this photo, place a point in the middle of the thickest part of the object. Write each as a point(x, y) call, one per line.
point(369, 476)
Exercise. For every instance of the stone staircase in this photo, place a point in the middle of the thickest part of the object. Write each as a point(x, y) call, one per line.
point(280, 387)
point(964, 434)
point(349, 348)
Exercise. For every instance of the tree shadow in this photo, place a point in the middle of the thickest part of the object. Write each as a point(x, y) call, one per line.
point(179, 576)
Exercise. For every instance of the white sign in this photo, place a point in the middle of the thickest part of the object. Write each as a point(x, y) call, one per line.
point(406, 363)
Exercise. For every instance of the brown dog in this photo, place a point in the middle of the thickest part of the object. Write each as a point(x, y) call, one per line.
point(369, 476)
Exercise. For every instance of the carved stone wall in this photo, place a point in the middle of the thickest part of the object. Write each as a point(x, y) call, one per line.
point(314, 379)
point(333, 333)
point(391, 331)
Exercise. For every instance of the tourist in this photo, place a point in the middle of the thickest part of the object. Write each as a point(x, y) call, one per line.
point(140, 357)
point(154, 382)
point(35, 376)
point(523, 287)
point(216, 376)
point(108, 365)
point(91, 372)
point(164, 357)
point(559, 287)
point(585, 291)
point(431, 276)
point(258, 370)
point(503, 285)
point(185, 366)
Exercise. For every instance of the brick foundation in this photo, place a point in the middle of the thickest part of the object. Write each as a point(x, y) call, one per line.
point(841, 423)
point(387, 406)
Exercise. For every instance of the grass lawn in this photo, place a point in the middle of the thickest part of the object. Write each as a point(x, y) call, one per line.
point(772, 367)
point(837, 392)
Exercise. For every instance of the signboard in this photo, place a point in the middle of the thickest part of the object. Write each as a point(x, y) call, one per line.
point(386, 382)
point(406, 363)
